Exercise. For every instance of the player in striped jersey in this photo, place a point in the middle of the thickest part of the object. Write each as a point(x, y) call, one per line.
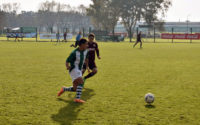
point(74, 64)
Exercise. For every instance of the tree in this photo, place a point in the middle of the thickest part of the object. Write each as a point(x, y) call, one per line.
point(113, 14)
point(151, 9)
point(61, 16)
point(47, 14)
point(10, 13)
point(104, 14)
point(133, 11)
point(95, 11)
point(50, 15)
point(11, 8)
point(82, 9)
point(2, 19)
point(130, 14)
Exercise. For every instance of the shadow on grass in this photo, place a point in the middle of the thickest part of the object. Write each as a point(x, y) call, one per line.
point(150, 106)
point(68, 114)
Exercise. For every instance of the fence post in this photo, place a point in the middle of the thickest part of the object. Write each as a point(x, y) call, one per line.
point(172, 35)
point(36, 34)
point(83, 32)
point(191, 33)
point(51, 33)
point(21, 31)
point(154, 34)
point(90, 30)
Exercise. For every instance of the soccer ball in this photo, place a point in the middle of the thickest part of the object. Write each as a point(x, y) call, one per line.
point(149, 98)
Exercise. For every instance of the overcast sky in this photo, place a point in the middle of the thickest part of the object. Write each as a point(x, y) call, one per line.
point(180, 10)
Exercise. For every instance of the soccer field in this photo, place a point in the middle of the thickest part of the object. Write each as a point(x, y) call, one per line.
point(32, 73)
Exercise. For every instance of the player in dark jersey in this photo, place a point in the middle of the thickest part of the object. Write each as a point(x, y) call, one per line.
point(93, 50)
point(139, 40)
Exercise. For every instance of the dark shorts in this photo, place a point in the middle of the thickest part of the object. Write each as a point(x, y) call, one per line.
point(139, 41)
point(91, 65)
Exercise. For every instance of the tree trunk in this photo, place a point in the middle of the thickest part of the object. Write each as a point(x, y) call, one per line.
point(113, 33)
point(130, 34)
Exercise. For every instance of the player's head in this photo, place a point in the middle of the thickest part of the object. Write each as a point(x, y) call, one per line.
point(80, 33)
point(83, 44)
point(91, 37)
point(140, 32)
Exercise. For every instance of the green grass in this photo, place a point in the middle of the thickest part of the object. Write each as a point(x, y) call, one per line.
point(32, 73)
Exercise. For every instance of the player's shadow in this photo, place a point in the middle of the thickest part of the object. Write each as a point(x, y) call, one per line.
point(150, 106)
point(68, 114)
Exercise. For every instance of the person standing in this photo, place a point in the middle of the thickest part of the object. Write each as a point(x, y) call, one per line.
point(17, 37)
point(58, 36)
point(139, 40)
point(65, 37)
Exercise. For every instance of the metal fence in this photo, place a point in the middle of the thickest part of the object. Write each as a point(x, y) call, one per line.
point(154, 35)
point(44, 32)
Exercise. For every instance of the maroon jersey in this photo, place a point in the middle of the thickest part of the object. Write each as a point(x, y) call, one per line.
point(92, 47)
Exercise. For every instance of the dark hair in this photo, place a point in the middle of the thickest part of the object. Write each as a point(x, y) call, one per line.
point(82, 41)
point(91, 35)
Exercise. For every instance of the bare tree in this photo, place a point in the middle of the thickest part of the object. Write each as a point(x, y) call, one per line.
point(50, 15)
point(53, 14)
point(11, 7)
point(2, 19)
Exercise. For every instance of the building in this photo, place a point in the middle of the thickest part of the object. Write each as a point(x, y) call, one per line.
point(177, 27)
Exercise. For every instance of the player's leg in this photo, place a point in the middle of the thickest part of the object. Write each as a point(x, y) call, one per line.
point(74, 75)
point(93, 67)
point(140, 44)
point(78, 87)
point(135, 44)
point(74, 45)
point(94, 71)
point(66, 89)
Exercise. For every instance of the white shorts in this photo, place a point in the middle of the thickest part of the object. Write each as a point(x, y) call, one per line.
point(75, 73)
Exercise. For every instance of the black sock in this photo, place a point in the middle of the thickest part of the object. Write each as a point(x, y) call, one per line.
point(89, 75)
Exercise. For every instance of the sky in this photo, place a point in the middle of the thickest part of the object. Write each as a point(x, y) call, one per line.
point(181, 10)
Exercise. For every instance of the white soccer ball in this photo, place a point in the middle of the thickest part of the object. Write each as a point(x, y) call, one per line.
point(149, 98)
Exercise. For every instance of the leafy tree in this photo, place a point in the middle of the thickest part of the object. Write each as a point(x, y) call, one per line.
point(104, 14)
point(133, 11)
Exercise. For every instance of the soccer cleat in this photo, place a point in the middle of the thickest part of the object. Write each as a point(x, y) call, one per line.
point(79, 101)
point(61, 92)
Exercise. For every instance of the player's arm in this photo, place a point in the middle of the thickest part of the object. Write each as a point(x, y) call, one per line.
point(68, 66)
point(97, 51)
point(70, 59)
